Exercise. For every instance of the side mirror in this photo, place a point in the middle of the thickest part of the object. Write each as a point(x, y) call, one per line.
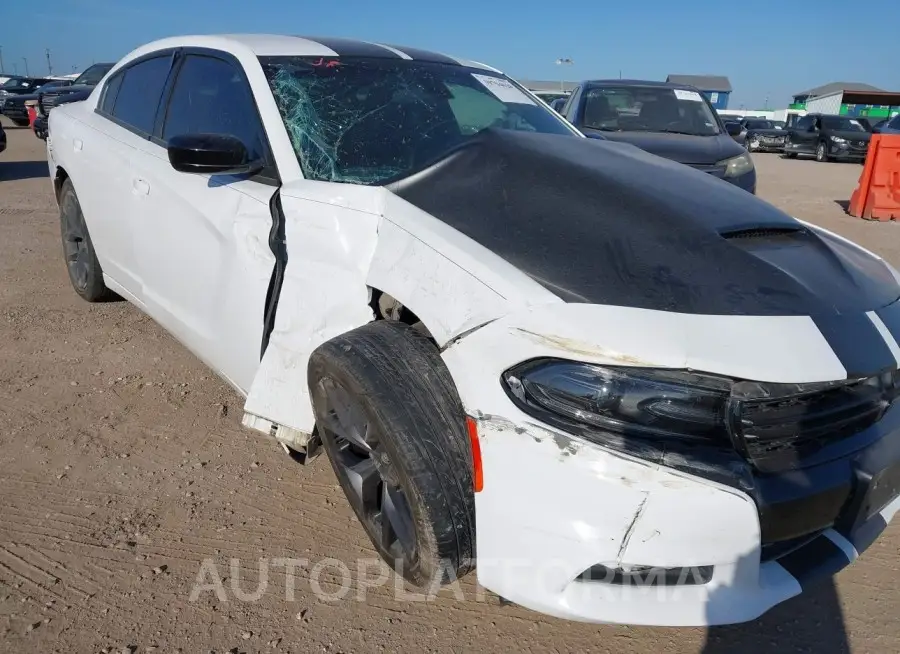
point(216, 154)
point(733, 129)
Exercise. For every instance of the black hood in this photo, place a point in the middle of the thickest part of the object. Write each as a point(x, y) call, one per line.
point(607, 223)
point(683, 148)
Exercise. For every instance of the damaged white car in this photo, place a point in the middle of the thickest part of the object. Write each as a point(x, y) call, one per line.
point(621, 389)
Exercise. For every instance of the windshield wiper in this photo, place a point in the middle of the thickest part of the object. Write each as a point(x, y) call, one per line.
point(669, 130)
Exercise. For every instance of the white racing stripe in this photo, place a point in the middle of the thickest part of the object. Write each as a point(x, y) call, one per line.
point(397, 52)
point(846, 546)
point(885, 334)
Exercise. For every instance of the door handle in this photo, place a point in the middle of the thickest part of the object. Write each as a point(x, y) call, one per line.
point(140, 187)
point(77, 144)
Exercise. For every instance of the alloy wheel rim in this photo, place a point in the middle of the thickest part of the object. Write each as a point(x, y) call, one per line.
point(370, 475)
point(75, 244)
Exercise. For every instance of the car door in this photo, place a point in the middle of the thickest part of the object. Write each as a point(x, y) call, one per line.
point(201, 241)
point(122, 123)
point(804, 134)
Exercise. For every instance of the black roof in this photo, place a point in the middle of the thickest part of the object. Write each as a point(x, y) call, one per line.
point(638, 82)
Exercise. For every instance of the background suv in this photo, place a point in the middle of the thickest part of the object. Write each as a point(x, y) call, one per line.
point(670, 120)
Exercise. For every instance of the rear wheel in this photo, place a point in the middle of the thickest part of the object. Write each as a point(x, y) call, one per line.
point(81, 260)
point(394, 430)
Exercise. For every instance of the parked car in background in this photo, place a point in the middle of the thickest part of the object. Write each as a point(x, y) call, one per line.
point(828, 138)
point(779, 124)
point(604, 352)
point(551, 96)
point(14, 107)
point(16, 86)
point(762, 135)
point(41, 129)
point(874, 125)
point(670, 120)
point(892, 126)
point(81, 84)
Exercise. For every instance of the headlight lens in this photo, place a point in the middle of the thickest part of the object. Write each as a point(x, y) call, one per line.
point(737, 166)
point(838, 139)
point(626, 401)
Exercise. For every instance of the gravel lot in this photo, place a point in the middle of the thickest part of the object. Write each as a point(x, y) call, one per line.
point(123, 467)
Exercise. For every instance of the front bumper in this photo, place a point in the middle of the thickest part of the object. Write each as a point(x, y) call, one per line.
point(41, 127)
point(555, 506)
point(762, 145)
point(845, 153)
point(15, 112)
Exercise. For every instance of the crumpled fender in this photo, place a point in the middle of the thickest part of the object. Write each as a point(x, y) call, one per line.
point(340, 246)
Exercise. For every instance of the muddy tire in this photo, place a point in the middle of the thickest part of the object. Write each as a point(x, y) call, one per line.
point(81, 259)
point(394, 429)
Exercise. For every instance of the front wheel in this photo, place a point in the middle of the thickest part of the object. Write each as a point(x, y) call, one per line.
point(821, 152)
point(394, 429)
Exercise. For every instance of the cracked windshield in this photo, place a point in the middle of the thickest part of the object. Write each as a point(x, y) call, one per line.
point(371, 121)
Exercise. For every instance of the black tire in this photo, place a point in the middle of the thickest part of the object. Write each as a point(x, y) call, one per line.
point(78, 249)
point(822, 152)
point(21, 123)
point(419, 448)
point(790, 155)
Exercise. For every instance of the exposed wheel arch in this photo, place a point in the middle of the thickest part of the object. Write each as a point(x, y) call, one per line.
point(59, 180)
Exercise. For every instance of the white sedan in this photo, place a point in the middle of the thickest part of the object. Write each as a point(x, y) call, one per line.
point(625, 391)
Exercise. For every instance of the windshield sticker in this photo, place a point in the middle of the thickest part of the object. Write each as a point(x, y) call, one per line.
point(693, 96)
point(503, 89)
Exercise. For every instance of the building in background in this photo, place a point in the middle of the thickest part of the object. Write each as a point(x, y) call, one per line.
point(849, 99)
point(716, 88)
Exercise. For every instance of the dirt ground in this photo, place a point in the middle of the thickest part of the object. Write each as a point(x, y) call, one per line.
point(123, 467)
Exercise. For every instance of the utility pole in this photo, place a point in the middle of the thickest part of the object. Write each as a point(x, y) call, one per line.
point(49, 64)
point(1, 59)
point(26, 66)
point(15, 69)
point(563, 62)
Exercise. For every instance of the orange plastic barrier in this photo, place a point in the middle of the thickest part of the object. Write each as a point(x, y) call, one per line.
point(877, 197)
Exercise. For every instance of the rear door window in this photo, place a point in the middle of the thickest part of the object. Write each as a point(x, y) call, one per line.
point(139, 93)
point(110, 93)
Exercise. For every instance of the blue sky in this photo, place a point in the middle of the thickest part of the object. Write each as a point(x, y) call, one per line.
point(748, 41)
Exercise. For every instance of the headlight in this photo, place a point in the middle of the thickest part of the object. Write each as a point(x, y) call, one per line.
point(737, 166)
point(656, 404)
point(837, 139)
